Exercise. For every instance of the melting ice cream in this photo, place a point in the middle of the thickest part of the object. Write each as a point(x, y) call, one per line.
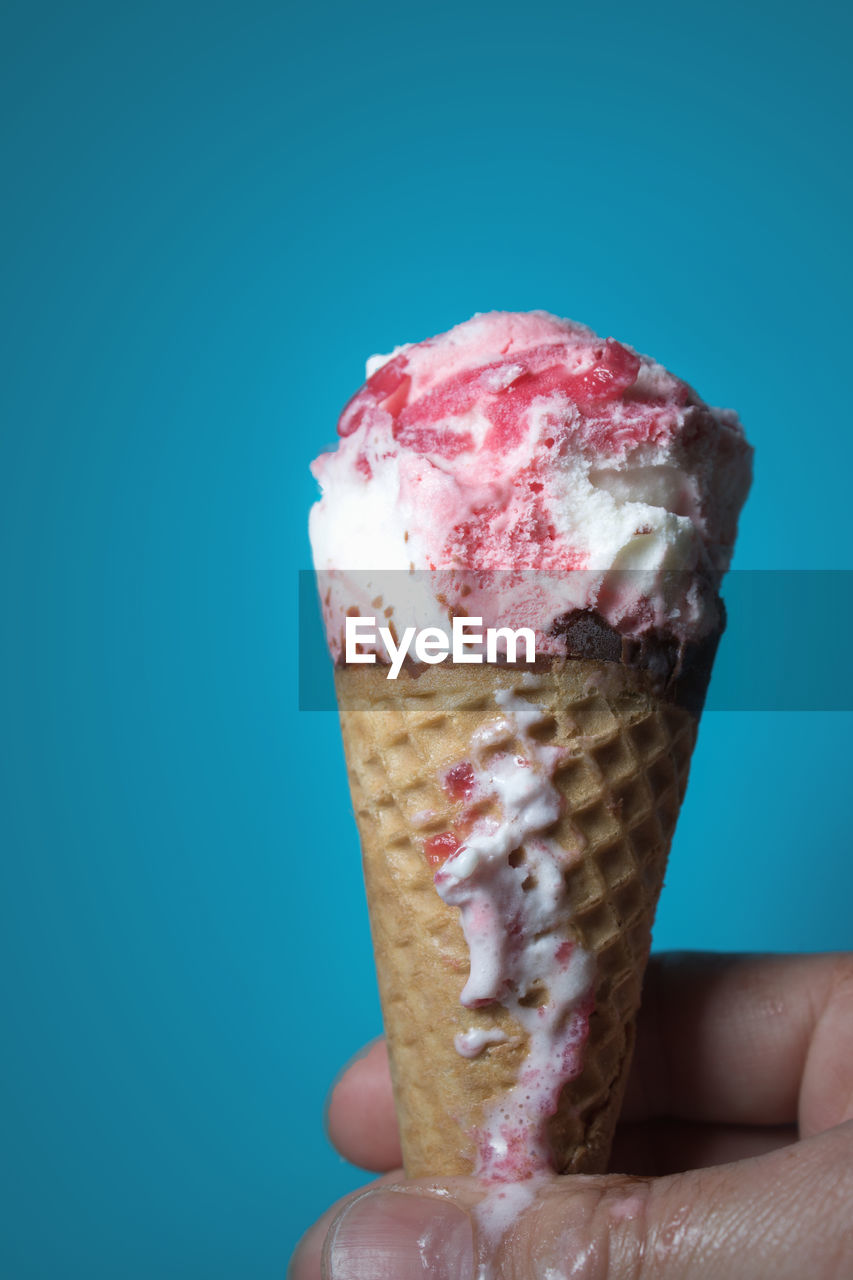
point(508, 880)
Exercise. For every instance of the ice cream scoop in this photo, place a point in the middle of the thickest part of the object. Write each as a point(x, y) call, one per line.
point(522, 442)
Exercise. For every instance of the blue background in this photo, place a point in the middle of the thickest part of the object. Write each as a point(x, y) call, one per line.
point(213, 213)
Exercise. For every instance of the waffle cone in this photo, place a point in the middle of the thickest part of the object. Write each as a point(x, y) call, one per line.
point(625, 772)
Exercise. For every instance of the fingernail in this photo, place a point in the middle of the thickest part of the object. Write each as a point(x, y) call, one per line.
point(395, 1235)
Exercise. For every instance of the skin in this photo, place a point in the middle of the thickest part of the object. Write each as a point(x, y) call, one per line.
point(734, 1150)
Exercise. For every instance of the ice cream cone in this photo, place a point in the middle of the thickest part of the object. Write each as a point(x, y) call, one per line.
point(622, 764)
point(520, 474)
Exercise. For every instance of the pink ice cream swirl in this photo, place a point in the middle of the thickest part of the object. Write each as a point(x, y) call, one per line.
point(552, 469)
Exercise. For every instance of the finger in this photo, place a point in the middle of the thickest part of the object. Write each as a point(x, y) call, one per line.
point(783, 1214)
point(728, 1039)
point(648, 1149)
point(306, 1262)
point(360, 1113)
point(734, 1040)
point(826, 1092)
point(660, 1147)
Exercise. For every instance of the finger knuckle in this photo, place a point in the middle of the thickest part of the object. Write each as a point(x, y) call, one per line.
point(594, 1231)
point(841, 976)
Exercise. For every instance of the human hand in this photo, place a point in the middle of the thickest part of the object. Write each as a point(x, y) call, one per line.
point(735, 1150)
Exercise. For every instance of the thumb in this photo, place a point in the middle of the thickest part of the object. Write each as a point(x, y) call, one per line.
point(785, 1214)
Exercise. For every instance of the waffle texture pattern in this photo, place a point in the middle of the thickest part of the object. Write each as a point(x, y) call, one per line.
point(622, 780)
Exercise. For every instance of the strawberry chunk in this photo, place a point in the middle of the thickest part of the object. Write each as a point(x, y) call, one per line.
point(437, 849)
point(615, 370)
point(459, 781)
point(387, 390)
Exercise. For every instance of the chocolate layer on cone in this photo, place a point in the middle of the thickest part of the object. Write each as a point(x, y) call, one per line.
point(680, 672)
